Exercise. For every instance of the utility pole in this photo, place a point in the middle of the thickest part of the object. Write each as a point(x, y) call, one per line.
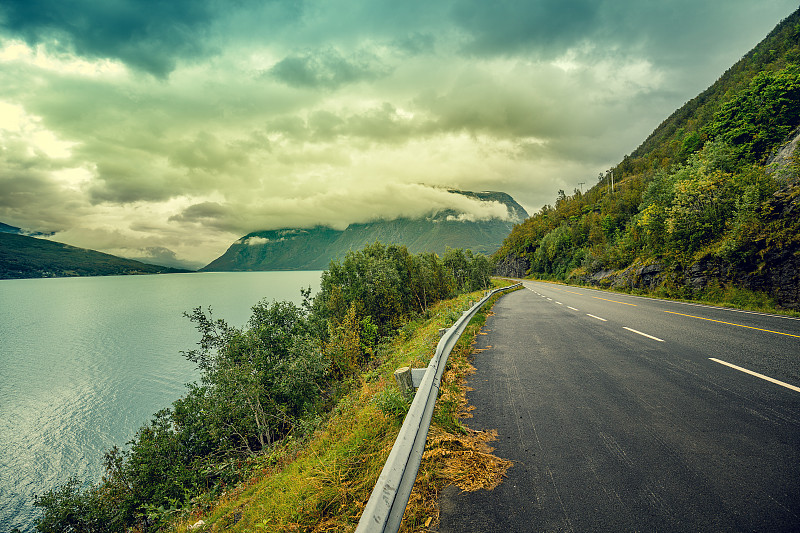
point(580, 184)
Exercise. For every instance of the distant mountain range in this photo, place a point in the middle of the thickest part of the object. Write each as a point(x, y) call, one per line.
point(314, 248)
point(22, 256)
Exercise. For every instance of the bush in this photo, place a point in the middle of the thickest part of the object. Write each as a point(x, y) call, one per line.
point(68, 508)
point(260, 384)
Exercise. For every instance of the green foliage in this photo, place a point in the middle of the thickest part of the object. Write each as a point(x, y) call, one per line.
point(392, 403)
point(68, 508)
point(554, 254)
point(261, 384)
point(696, 189)
point(711, 204)
point(257, 381)
point(345, 349)
point(759, 118)
point(390, 285)
point(469, 272)
point(688, 128)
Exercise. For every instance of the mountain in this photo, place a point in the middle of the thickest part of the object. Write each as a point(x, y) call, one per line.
point(5, 228)
point(22, 256)
point(708, 206)
point(160, 256)
point(314, 248)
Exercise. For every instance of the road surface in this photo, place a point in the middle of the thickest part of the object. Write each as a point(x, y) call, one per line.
point(624, 413)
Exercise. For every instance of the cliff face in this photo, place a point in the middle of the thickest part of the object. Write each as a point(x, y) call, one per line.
point(512, 266)
point(778, 278)
point(314, 248)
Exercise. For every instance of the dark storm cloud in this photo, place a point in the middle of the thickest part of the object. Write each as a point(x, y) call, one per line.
point(22, 188)
point(415, 43)
point(326, 69)
point(153, 35)
point(208, 152)
point(147, 35)
point(202, 211)
point(508, 26)
point(662, 31)
point(31, 200)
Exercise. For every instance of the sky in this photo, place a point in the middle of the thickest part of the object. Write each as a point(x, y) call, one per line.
point(168, 129)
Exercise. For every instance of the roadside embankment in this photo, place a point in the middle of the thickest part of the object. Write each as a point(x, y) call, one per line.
point(323, 483)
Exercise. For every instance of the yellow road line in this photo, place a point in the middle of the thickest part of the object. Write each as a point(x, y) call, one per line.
point(732, 324)
point(615, 301)
point(572, 292)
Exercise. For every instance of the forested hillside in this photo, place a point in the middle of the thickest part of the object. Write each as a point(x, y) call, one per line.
point(706, 206)
point(22, 256)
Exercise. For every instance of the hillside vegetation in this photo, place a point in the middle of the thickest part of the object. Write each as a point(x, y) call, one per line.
point(22, 256)
point(706, 207)
point(272, 383)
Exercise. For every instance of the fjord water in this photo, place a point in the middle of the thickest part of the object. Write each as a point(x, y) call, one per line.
point(85, 362)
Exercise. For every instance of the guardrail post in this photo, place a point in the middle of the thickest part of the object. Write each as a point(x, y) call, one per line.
point(404, 382)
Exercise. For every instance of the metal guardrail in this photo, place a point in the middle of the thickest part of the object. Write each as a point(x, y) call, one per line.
point(388, 501)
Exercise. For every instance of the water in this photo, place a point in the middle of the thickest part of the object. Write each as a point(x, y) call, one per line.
point(85, 362)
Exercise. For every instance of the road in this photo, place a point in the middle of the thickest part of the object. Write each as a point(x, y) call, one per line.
point(624, 413)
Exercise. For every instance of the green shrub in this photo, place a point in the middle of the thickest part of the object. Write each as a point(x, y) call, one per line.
point(260, 384)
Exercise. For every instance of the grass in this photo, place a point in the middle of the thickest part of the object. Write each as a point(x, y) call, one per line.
point(323, 484)
point(715, 294)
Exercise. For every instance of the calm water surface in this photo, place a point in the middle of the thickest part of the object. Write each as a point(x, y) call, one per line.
point(85, 362)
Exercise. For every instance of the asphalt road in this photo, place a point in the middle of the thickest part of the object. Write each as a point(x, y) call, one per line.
point(624, 414)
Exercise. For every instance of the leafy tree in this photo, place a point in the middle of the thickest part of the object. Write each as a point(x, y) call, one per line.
point(68, 508)
point(259, 380)
point(429, 281)
point(698, 212)
point(373, 277)
point(458, 264)
point(480, 272)
point(258, 384)
point(760, 117)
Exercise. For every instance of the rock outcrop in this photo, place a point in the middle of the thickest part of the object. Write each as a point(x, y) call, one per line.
point(778, 276)
point(512, 266)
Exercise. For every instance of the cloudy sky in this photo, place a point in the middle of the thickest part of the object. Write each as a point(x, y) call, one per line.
point(171, 128)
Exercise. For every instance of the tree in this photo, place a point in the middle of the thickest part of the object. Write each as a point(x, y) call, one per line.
point(257, 381)
point(455, 260)
point(757, 119)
